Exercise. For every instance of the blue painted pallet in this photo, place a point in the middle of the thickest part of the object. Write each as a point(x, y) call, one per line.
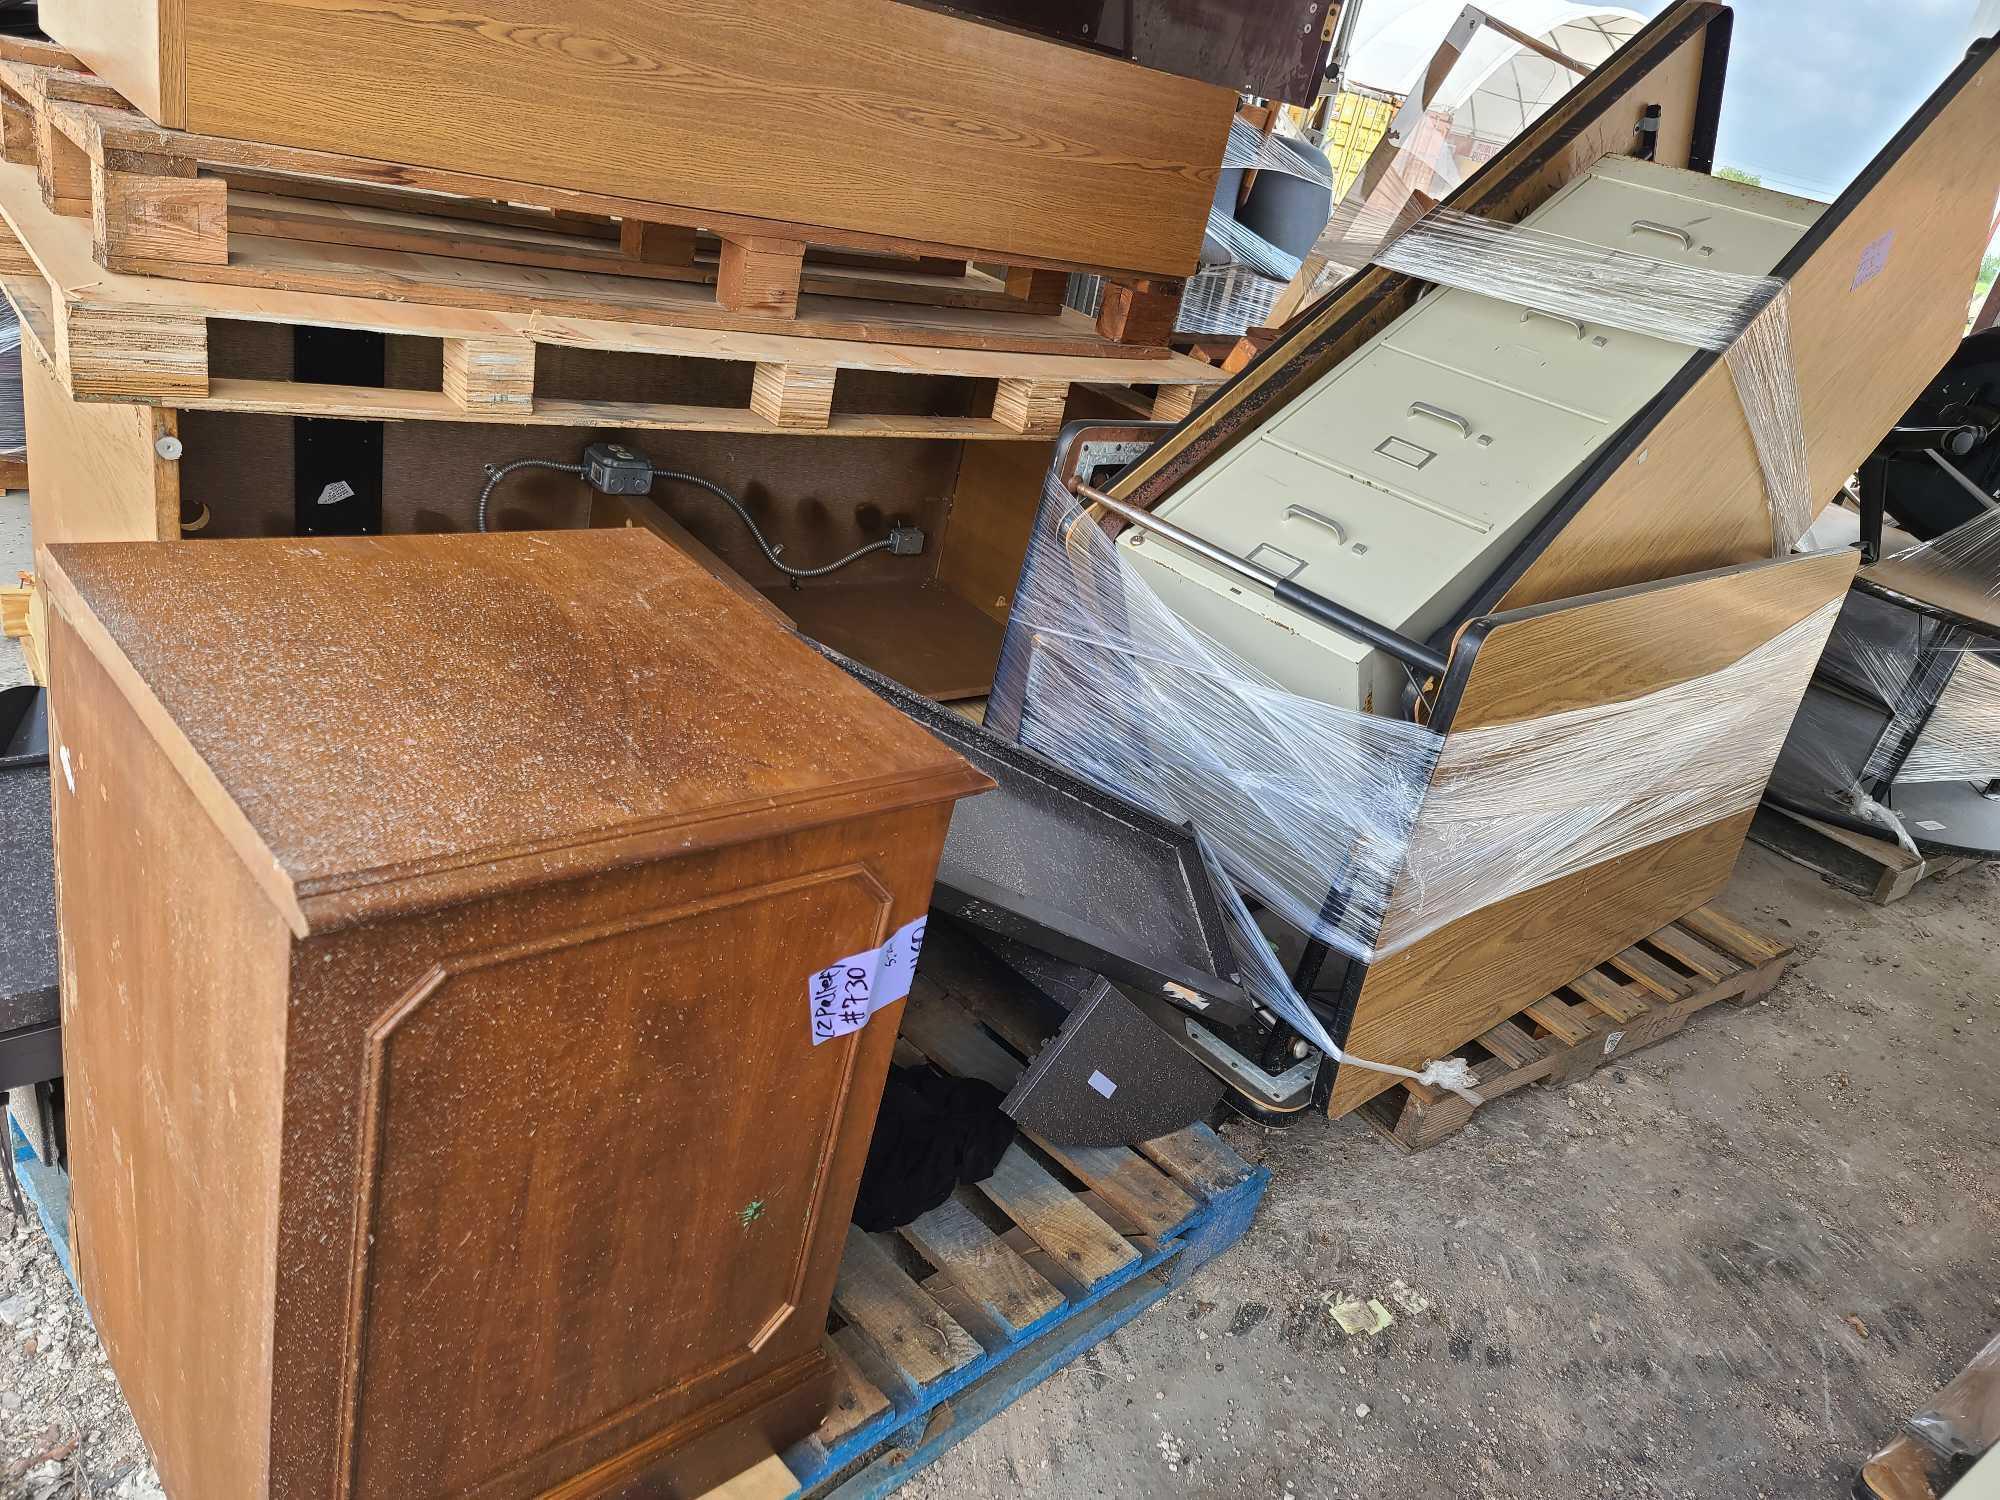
point(47, 1188)
point(985, 1297)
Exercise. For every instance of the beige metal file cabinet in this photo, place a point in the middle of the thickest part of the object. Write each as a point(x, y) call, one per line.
point(1409, 473)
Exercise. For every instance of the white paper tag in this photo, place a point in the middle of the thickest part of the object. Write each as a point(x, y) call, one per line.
point(1929, 825)
point(841, 997)
point(336, 492)
point(1611, 1042)
point(899, 965)
point(1103, 1085)
point(838, 995)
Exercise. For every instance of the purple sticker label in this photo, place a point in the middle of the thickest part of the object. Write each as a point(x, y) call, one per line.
point(1874, 258)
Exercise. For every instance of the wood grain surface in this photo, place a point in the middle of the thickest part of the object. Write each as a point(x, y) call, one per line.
point(521, 1133)
point(1440, 990)
point(530, 781)
point(861, 114)
point(94, 474)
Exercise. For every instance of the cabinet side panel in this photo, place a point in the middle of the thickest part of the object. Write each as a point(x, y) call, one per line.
point(93, 472)
point(130, 44)
point(854, 114)
point(173, 1049)
point(581, 1151)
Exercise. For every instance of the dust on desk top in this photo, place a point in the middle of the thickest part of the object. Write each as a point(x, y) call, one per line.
point(373, 702)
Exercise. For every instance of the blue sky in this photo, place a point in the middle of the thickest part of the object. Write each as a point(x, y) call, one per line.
point(1816, 87)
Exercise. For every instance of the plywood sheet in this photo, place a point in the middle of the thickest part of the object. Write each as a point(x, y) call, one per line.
point(94, 474)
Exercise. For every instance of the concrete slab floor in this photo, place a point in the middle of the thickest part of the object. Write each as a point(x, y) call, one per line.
point(1728, 1266)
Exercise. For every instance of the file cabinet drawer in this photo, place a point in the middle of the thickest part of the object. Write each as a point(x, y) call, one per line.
point(1471, 451)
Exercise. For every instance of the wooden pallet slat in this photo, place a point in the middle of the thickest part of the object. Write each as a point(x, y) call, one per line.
point(1727, 935)
point(1007, 1292)
point(1732, 966)
point(1085, 1249)
point(878, 1297)
point(1129, 1184)
point(856, 1399)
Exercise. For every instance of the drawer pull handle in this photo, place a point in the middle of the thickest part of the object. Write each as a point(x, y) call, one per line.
point(1305, 513)
point(1439, 414)
point(1672, 232)
point(1536, 312)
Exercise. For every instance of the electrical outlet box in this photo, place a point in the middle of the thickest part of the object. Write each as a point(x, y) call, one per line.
point(614, 469)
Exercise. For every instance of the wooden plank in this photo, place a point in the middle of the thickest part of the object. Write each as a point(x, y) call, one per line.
point(1650, 973)
point(924, 636)
point(94, 473)
point(915, 124)
point(388, 404)
point(1082, 1246)
point(995, 1280)
point(1555, 1017)
point(1614, 1000)
point(917, 1335)
point(953, 1040)
point(1175, 402)
point(117, 353)
point(1128, 1184)
point(1694, 954)
point(1717, 928)
point(855, 1398)
point(793, 395)
point(1512, 1045)
point(1198, 1159)
point(490, 375)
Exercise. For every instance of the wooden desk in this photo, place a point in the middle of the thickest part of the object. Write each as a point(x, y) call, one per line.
point(438, 917)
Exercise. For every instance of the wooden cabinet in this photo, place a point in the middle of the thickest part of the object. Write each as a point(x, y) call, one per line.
point(438, 919)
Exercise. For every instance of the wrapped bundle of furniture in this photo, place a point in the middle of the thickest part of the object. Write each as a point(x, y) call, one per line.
point(1553, 538)
point(1899, 734)
point(1391, 841)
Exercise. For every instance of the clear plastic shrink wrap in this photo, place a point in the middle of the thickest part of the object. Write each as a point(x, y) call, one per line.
point(1936, 684)
point(1313, 810)
point(1744, 318)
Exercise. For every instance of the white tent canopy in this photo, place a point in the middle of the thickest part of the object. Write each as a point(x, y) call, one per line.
point(1498, 86)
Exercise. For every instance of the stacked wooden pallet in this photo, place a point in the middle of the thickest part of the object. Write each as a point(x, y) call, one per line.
point(172, 287)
